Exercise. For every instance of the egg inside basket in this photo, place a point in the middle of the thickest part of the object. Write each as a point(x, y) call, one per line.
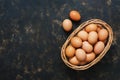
point(80, 52)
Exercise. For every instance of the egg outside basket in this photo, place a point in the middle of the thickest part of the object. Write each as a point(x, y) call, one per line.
point(100, 56)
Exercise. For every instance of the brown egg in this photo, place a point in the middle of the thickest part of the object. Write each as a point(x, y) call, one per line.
point(103, 34)
point(83, 35)
point(87, 47)
point(82, 63)
point(67, 25)
point(70, 51)
point(99, 47)
point(99, 27)
point(91, 27)
point(105, 41)
point(92, 37)
point(80, 54)
point(76, 42)
point(74, 61)
point(75, 15)
point(90, 57)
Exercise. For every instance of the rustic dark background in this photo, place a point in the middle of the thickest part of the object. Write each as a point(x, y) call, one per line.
point(31, 38)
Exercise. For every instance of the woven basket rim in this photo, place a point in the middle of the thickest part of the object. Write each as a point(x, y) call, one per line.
point(100, 56)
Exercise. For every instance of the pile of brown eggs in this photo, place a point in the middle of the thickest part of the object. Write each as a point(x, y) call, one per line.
point(87, 44)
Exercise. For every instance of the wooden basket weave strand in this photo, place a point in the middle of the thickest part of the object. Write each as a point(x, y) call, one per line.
point(98, 58)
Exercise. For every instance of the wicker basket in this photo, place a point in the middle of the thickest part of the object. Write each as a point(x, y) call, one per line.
point(99, 57)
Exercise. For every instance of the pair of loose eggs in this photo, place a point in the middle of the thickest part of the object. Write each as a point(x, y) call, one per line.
point(67, 23)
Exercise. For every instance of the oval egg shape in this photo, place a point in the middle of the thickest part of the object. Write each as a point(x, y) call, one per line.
point(70, 51)
point(99, 47)
point(80, 54)
point(91, 27)
point(83, 35)
point(76, 42)
point(67, 25)
point(87, 47)
point(90, 57)
point(92, 37)
point(75, 15)
point(103, 34)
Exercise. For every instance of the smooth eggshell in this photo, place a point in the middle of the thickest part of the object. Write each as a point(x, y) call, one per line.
point(90, 57)
point(80, 54)
point(75, 15)
point(99, 47)
point(70, 51)
point(91, 27)
point(74, 61)
point(92, 37)
point(83, 35)
point(76, 42)
point(67, 25)
point(87, 47)
point(103, 34)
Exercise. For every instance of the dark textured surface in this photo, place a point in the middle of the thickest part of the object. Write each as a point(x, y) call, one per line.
point(31, 38)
